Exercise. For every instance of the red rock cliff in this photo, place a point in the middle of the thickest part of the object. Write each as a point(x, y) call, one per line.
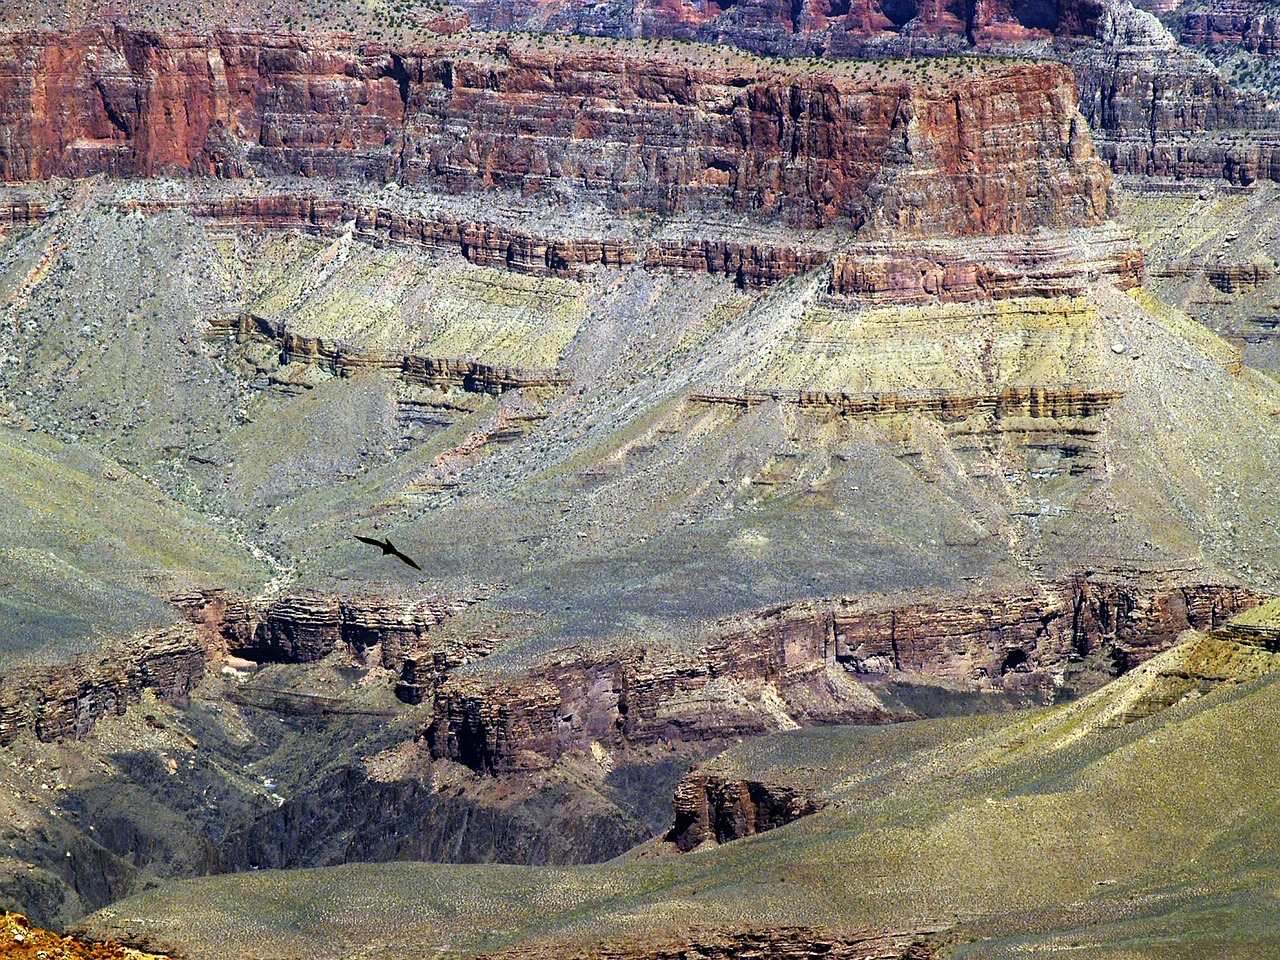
point(1001, 149)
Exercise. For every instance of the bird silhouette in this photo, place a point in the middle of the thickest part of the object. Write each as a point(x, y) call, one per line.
point(388, 549)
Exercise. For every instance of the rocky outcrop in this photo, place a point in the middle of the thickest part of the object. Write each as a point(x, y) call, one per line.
point(1039, 265)
point(22, 213)
point(339, 359)
point(764, 670)
point(800, 664)
point(711, 808)
point(749, 264)
point(1033, 402)
point(482, 242)
point(772, 943)
point(1018, 641)
point(23, 941)
point(304, 627)
point(999, 149)
point(1235, 23)
point(796, 27)
point(1159, 110)
point(67, 700)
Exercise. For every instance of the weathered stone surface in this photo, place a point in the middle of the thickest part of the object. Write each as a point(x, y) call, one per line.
point(998, 150)
point(1034, 402)
point(22, 213)
point(760, 665)
point(1159, 110)
point(1233, 22)
point(1040, 265)
point(807, 26)
point(719, 809)
point(303, 628)
point(340, 359)
point(773, 943)
point(1017, 641)
point(66, 700)
point(799, 660)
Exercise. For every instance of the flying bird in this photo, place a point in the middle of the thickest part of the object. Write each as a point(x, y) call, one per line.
point(388, 549)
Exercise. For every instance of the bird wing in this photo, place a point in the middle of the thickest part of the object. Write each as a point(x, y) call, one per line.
point(369, 540)
point(408, 560)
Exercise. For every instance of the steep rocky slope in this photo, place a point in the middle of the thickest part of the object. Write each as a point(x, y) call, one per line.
point(716, 396)
point(662, 134)
point(1041, 830)
point(1213, 253)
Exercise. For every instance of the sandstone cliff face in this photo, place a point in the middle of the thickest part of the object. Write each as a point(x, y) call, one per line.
point(799, 664)
point(998, 150)
point(1159, 110)
point(67, 700)
point(1235, 23)
point(717, 809)
point(1149, 103)
point(305, 627)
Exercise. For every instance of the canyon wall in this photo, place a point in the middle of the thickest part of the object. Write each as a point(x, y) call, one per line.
point(713, 808)
point(1241, 24)
point(798, 26)
point(997, 149)
point(306, 627)
point(803, 661)
point(66, 700)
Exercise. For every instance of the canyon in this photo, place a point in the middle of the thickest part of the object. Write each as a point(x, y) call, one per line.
point(803, 147)
point(809, 459)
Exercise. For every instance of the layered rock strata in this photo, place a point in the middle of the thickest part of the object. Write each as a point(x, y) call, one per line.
point(749, 263)
point(1000, 149)
point(1155, 109)
point(22, 213)
point(1040, 265)
point(304, 628)
point(710, 808)
point(797, 27)
point(1158, 110)
point(66, 700)
point(1031, 402)
point(1241, 24)
point(774, 943)
point(341, 360)
point(800, 664)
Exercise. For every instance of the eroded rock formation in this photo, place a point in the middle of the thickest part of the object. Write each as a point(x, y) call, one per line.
point(1236, 23)
point(66, 700)
point(720, 809)
point(999, 149)
point(800, 664)
point(1060, 264)
point(774, 943)
point(306, 627)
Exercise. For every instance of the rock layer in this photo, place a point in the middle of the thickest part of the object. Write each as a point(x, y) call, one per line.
point(712, 808)
point(773, 943)
point(800, 664)
point(998, 150)
point(1042, 265)
point(304, 628)
point(66, 700)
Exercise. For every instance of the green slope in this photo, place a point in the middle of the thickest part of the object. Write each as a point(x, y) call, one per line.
point(999, 841)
